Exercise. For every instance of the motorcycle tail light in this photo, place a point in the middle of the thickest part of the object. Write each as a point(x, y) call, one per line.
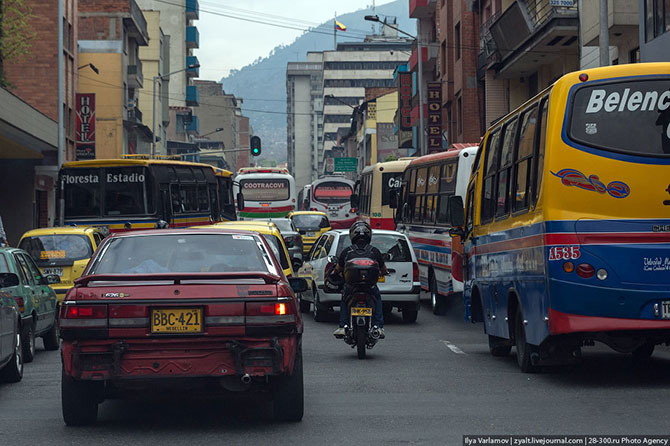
point(585, 270)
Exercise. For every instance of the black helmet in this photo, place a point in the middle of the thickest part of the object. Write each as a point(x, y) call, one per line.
point(360, 232)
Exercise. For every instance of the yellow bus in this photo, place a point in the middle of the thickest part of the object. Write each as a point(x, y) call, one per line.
point(373, 192)
point(136, 193)
point(567, 219)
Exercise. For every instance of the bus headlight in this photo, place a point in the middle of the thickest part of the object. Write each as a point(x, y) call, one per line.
point(601, 274)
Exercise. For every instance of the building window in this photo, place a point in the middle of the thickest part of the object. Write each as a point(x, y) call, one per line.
point(443, 65)
point(657, 18)
point(457, 40)
point(460, 115)
point(634, 55)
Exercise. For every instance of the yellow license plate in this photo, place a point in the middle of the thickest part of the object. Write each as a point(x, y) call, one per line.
point(176, 320)
point(381, 279)
point(358, 311)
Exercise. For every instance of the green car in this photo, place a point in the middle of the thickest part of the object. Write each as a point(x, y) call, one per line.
point(36, 300)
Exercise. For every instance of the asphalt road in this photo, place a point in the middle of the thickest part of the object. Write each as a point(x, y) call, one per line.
point(426, 383)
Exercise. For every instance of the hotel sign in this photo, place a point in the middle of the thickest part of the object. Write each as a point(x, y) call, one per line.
point(85, 130)
point(405, 100)
point(434, 117)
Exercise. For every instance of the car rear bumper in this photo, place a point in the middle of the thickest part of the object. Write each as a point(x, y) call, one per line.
point(183, 357)
point(412, 296)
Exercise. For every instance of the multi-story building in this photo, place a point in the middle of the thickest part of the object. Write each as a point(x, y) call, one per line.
point(217, 124)
point(525, 45)
point(155, 61)
point(425, 13)
point(110, 35)
point(456, 70)
point(29, 116)
point(244, 132)
point(348, 71)
point(623, 26)
point(654, 27)
point(304, 120)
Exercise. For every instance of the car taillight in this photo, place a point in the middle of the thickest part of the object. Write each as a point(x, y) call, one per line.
point(329, 267)
point(83, 316)
point(415, 272)
point(20, 303)
point(312, 209)
point(585, 270)
point(270, 312)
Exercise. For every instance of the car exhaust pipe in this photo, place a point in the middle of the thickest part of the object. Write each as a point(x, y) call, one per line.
point(246, 379)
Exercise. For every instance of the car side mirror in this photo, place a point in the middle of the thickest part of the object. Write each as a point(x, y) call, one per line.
point(298, 284)
point(8, 280)
point(240, 201)
point(456, 211)
point(393, 199)
point(387, 257)
point(332, 259)
point(297, 261)
point(53, 279)
point(353, 201)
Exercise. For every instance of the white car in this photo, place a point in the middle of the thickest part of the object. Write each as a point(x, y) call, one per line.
point(401, 289)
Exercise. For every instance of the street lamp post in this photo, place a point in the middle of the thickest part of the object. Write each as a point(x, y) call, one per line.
point(155, 79)
point(375, 18)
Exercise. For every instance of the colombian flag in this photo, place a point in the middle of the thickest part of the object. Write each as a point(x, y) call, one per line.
point(339, 26)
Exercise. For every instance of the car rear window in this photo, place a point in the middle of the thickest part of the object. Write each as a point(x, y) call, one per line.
point(395, 246)
point(4, 267)
point(310, 222)
point(57, 248)
point(181, 253)
point(630, 117)
point(284, 224)
point(277, 248)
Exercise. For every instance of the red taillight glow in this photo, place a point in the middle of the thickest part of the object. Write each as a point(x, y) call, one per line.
point(265, 205)
point(84, 312)
point(312, 209)
point(415, 272)
point(583, 77)
point(352, 210)
point(585, 270)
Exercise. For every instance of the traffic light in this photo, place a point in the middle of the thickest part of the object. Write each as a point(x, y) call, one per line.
point(255, 145)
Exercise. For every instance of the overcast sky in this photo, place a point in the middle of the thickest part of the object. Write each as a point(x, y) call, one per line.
point(227, 43)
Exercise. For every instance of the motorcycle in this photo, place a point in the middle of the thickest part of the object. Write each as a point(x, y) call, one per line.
point(360, 274)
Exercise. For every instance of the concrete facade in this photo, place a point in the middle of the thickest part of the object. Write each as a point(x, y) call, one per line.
point(654, 37)
point(217, 110)
point(304, 119)
point(623, 25)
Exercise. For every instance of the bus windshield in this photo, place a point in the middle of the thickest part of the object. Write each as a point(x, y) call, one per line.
point(255, 189)
point(332, 192)
point(631, 117)
point(109, 191)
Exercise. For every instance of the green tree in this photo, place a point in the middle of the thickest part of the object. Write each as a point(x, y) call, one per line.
point(16, 33)
point(391, 158)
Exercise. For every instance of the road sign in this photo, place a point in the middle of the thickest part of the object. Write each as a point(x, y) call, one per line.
point(346, 164)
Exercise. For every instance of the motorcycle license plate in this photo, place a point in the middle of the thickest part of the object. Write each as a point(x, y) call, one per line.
point(176, 320)
point(381, 279)
point(360, 311)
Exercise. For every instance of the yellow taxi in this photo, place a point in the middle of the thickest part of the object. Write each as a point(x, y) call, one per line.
point(311, 224)
point(62, 251)
point(271, 233)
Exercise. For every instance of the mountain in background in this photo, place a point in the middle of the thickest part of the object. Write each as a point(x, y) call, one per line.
point(262, 84)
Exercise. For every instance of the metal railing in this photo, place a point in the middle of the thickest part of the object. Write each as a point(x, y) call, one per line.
point(541, 11)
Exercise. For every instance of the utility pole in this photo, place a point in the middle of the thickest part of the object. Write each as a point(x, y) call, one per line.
point(604, 35)
point(61, 112)
point(422, 146)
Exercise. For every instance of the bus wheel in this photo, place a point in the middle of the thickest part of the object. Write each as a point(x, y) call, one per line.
point(499, 346)
point(523, 349)
point(437, 302)
point(644, 351)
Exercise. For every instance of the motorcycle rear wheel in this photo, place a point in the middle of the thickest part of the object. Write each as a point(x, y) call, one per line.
point(361, 340)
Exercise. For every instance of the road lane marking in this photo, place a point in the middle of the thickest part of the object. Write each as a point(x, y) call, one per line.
point(453, 348)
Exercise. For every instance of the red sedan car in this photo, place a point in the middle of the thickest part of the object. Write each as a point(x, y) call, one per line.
point(206, 308)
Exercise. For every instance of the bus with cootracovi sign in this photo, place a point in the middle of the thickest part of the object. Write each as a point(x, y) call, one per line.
point(567, 219)
point(137, 193)
point(268, 192)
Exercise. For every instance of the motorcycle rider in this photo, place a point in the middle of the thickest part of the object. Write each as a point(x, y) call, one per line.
point(360, 234)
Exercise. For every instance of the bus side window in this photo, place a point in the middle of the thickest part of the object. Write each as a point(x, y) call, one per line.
point(175, 199)
point(523, 161)
point(539, 151)
point(203, 198)
point(505, 171)
point(469, 211)
point(490, 168)
point(421, 180)
point(447, 188)
point(432, 188)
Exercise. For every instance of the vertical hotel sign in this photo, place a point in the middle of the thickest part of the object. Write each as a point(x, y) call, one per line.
point(85, 131)
point(405, 100)
point(434, 117)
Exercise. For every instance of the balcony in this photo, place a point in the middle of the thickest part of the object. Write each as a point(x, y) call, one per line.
point(192, 96)
point(529, 33)
point(421, 9)
point(192, 37)
point(192, 72)
point(192, 10)
point(194, 126)
point(135, 23)
point(135, 76)
point(135, 115)
point(428, 60)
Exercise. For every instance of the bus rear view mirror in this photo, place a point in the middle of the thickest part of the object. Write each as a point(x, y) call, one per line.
point(240, 201)
point(456, 211)
point(393, 199)
point(353, 201)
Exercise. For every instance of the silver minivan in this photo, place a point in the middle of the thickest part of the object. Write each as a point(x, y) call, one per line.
point(400, 289)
